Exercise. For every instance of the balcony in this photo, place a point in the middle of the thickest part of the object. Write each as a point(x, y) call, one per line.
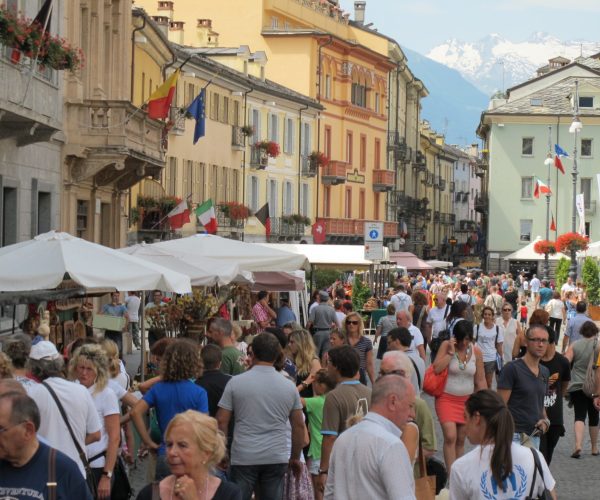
point(383, 180)
point(112, 143)
point(590, 207)
point(353, 230)
point(466, 226)
point(309, 167)
point(227, 224)
point(258, 158)
point(284, 230)
point(481, 203)
point(334, 173)
point(238, 139)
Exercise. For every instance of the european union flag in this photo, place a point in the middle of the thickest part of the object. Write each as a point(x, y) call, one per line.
point(196, 109)
point(560, 151)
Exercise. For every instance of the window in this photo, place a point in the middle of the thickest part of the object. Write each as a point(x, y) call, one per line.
point(377, 107)
point(348, 203)
point(349, 139)
point(171, 177)
point(256, 125)
point(586, 102)
point(525, 229)
point(274, 22)
point(363, 152)
point(306, 140)
point(288, 198)
point(254, 193)
point(44, 212)
point(224, 118)
point(588, 229)
point(327, 201)
point(361, 204)
point(586, 148)
point(214, 185)
point(288, 140)
point(272, 196)
point(214, 108)
point(236, 113)
point(586, 189)
point(305, 199)
point(188, 181)
point(376, 202)
point(197, 175)
point(327, 145)
point(535, 101)
point(223, 184)
point(377, 153)
point(83, 207)
point(358, 93)
point(327, 86)
point(273, 127)
point(526, 187)
point(527, 146)
point(105, 226)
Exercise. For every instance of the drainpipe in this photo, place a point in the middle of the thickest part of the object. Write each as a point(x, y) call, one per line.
point(329, 42)
point(244, 157)
point(300, 153)
point(135, 30)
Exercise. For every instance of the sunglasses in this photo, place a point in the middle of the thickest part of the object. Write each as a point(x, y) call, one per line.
point(507, 310)
point(352, 322)
point(538, 341)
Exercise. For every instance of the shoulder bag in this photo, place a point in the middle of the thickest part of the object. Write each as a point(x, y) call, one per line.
point(425, 486)
point(546, 495)
point(589, 384)
point(435, 383)
point(89, 475)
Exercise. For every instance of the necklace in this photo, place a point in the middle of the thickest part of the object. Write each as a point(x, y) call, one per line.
point(202, 494)
point(462, 365)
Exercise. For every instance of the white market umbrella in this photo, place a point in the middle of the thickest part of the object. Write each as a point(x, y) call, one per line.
point(593, 250)
point(207, 272)
point(527, 253)
point(248, 256)
point(43, 263)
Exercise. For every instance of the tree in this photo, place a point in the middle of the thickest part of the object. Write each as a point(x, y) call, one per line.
point(562, 272)
point(360, 293)
point(589, 274)
point(324, 278)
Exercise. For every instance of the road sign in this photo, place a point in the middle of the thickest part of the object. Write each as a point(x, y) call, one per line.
point(374, 240)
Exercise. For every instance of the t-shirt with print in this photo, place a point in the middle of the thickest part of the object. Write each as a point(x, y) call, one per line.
point(30, 480)
point(171, 398)
point(487, 338)
point(471, 476)
point(314, 410)
point(343, 402)
point(526, 402)
point(560, 371)
point(232, 362)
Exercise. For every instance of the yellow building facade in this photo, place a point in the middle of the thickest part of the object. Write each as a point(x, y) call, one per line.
point(313, 49)
point(224, 165)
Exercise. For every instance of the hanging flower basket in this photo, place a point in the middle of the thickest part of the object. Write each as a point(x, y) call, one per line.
point(296, 219)
point(234, 210)
point(29, 38)
point(545, 247)
point(270, 147)
point(247, 130)
point(571, 242)
point(319, 159)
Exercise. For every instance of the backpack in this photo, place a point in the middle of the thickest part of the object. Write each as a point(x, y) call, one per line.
point(589, 383)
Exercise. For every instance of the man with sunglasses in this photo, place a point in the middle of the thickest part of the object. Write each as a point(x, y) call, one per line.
point(523, 384)
point(28, 468)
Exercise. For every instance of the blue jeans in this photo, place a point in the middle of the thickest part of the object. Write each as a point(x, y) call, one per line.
point(535, 440)
point(266, 479)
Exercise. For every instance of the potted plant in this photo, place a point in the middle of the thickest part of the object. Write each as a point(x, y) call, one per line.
point(247, 130)
point(589, 274)
point(544, 247)
point(270, 148)
point(235, 211)
point(569, 242)
point(318, 159)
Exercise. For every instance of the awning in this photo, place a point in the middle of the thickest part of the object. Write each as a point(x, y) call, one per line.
point(410, 261)
point(527, 253)
point(439, 263)
point(278, 281)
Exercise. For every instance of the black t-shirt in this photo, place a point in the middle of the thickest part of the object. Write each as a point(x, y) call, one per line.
point(512, 298)
point(214, 382)
point(560, 371)
point(225, 491)
point(526, 402)
point(30, 481)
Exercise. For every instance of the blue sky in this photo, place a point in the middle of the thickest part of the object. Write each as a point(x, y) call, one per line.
point(422, 24)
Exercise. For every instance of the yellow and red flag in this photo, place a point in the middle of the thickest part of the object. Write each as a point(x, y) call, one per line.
point(160, 100)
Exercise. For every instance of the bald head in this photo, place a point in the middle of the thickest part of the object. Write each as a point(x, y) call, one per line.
point(397, 360)
point(393, 397)
point(403, 319)
point(386, 386)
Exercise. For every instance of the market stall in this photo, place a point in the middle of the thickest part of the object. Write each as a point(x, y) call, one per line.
point(410, 261)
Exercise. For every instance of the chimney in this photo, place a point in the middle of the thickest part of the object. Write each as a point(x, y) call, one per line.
point(163, 24)
point(359, 12)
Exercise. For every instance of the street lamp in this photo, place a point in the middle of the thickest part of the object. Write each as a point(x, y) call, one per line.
point(575, 129)
point(548, 162)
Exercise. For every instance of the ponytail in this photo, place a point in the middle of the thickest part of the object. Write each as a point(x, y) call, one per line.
point(500, 430)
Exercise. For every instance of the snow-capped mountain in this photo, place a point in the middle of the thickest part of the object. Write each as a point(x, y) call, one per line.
point(494, 63)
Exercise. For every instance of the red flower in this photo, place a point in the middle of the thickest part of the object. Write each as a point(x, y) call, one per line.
point(545, 247)
point(571, 241)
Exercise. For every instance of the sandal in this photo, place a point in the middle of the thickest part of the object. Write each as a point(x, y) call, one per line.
point(576, 454)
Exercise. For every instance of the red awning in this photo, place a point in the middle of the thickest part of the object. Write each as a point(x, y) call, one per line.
point(410, 261)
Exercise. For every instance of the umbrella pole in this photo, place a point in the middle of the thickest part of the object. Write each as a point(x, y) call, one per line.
point(14, 318)
point(143, 339)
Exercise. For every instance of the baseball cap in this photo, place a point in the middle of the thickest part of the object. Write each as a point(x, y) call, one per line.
point(323, 295)
point(44, 350)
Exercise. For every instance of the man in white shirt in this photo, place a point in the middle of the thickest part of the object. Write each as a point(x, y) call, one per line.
point(534, 286)
point(132, 302)
point(569, 286)
point(418, 344)
point(436, 319)
point(384, 469)
point(401, 300)
point(47, 365)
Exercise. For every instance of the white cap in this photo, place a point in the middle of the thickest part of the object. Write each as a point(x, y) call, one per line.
point(44, 350)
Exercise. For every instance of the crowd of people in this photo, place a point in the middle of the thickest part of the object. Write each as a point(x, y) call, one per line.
point(335, 409)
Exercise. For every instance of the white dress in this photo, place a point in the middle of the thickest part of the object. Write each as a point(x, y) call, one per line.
point(510, 335)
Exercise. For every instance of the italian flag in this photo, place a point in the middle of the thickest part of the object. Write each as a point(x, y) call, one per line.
point(179, 216)
point(541, 188)
point(206, 216)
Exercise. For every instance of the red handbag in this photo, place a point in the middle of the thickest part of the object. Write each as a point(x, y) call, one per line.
point(434, 383)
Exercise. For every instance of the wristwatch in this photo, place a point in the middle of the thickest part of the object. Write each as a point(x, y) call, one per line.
point(107, 473)
point(323, 471)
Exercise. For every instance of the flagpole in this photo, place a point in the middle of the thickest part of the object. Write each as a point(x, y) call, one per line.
point(575, 128)
point(548, 161)
point(166, 216)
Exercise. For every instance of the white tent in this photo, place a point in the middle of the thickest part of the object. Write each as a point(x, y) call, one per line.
point(248, 256)
point(332, 256)
point(43, 263)
point(207, 272)
point(527, 253)
point(593, 250)
point(439, 263)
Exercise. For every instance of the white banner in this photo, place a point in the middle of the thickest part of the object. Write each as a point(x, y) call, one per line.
point(598, 179)
point(580, 204)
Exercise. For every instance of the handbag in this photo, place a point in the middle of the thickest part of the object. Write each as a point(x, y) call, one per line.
point(300, 488)
point(434, 383)
point(546, 495)
point(121, 488)
point(425, 486)
point(589, 383)
point(89, 475)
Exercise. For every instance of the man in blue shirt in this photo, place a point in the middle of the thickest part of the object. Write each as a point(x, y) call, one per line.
point(285, 314)
point(574, 325)
point(25, 463)
point(545, 294)
point(115, 308)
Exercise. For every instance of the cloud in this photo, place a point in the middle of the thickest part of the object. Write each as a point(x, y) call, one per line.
point(572, 6)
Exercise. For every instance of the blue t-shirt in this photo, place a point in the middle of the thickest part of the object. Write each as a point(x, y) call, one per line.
point(119, 310)
point(30, 480)
point(285, 315)
point(171, 398)
point(545, 296)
